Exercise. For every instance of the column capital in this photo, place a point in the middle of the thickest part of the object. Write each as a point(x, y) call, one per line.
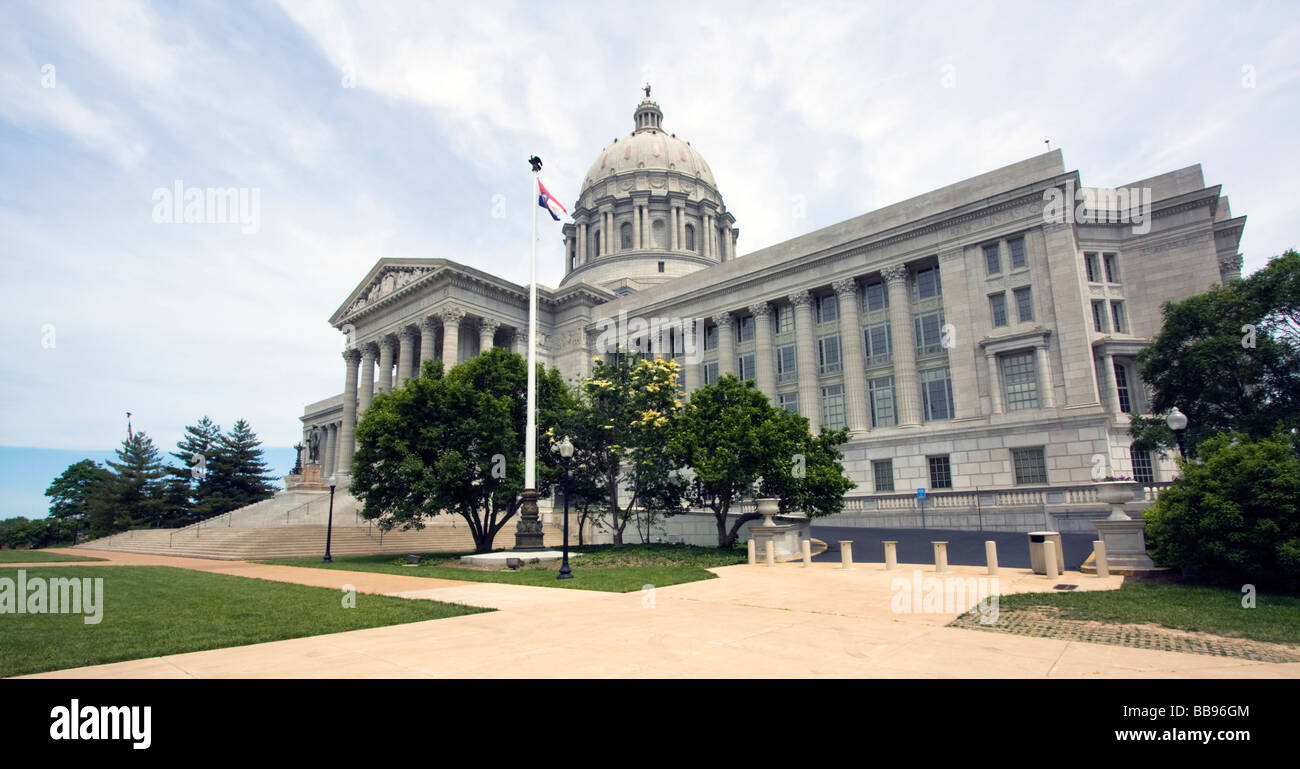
point(430, 323)
point(352, 356)
point(388, 343)
point(451, 315)
point(488, 325)
point(845, 286)
point(370, 350)
point(801, 298)
point(894, 273)
point(407, 334)
point(723, 319)
point(760, 310)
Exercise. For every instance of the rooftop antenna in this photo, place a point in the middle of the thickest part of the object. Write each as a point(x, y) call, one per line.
point(1048, 142)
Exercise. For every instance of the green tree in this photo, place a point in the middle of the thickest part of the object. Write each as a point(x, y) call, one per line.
point(83, 487)
point(737, 445)
point(190, 479)
point(631, 405)
point(136, 493)
point(237, 473)
point(1229, 359)
point(1233, 516)
point(454, 443)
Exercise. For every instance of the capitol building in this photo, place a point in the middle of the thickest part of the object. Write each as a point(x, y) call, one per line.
point(978, 341)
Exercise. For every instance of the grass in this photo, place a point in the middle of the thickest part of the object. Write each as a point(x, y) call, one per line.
point(150, 611)
point(597, 567)
point(40, 556)
point(1215, 610)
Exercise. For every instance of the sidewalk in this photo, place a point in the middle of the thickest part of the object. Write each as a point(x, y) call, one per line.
point(753, 621)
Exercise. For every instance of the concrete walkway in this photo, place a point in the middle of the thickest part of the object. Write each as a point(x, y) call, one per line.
point(753, 621)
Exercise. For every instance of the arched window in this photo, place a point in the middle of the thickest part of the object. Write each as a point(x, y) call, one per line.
point(625, 237)
point(690, 237)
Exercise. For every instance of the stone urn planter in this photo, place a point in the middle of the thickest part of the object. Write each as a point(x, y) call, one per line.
point(1116, 494)
point(768, 507)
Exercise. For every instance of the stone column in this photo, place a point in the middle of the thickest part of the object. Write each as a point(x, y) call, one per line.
point(386, 350)
point(607, 218)
point(451, 319)
point(764, 352)
point(367, 392)
point(404, 355)
point(805, 352)
point(726, 343)
point(428, 334)
point(907, 383)
point(855, 367)
point(487, 331)
point(351, 359)
point(1110, 398)
point(1046, 398)
point(520, 342)
point(582, 243)
point(995, 383)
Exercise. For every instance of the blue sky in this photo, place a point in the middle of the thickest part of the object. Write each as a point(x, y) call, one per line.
point(849, 107)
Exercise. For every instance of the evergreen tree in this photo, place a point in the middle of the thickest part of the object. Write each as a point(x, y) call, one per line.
point(137, 495)
point(191, 484)
point(237, 473)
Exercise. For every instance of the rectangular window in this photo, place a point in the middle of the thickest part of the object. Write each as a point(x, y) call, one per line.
point(1017, 247)
point(661, 266)
point(1030, 465)
point(998, 306)
point(828, 308)
point(711, 372)
point(1098, 316)
point(882, 401)
point(926, 284)
point(1121, 389)
point(940, 472)
point(711, 338)
point(1112, 267)
point(785, 364)
point(1117, 315)
point(876, 297)
point(1143, 472)
point(833, 406)
point(993, 259)
point(929, 329)
point(1024, 304)
point(936, 394)
point(784, 320)
point(789, 402)
point(1091, 266)
point(747, 328)
point(828, 354)
point(877, 338)
point(1020, 381)
point(882, 470)
point(745, 367)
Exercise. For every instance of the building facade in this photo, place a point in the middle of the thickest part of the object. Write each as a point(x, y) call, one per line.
point(978, 341)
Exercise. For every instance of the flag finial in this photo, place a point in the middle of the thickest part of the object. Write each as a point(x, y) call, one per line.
point(537, 163)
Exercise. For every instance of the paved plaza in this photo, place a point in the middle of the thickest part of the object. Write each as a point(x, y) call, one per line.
point(754, 621)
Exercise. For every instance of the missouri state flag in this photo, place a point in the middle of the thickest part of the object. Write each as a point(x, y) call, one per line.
point(545, 200)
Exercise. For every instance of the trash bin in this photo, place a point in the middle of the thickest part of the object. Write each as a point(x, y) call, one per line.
point(1038, 541)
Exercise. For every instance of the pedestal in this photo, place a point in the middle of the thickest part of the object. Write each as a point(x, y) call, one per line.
point(1126, 545)
point(786, 538)
point(309, 479)
point(528, 534)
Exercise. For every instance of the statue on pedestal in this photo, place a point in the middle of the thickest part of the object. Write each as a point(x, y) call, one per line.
point(313, 445)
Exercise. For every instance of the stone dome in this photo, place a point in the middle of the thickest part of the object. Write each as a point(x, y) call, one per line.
point(649, 148)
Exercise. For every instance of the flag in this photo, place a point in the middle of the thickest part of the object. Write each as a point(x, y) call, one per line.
point(552, 206)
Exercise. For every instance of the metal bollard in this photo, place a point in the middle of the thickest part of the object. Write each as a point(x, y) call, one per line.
point(940, 557)
point(807, 553)
point(891, 554)
point(846, 554)
point(991, 555)
point(771, 552)
point(1049, 562)
point(753, 556)
point(1099, 553)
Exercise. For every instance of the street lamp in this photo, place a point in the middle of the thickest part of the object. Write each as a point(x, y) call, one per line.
point(329, 529)
point(565, 449)
point(1177, 422)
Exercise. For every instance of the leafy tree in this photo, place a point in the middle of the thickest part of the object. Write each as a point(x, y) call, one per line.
point(1229, 359)
point(730, 436)
point(454, 443)
point(81, 488)
point(135, 497)
point(631, 405)
point(1233, 517)
point(237, 473)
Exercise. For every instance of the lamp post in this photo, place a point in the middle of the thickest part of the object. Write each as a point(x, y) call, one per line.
point(329, 529)
point(1177, 422)
point(565, 449)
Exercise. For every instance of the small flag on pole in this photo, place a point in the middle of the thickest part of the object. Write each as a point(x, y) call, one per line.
point(551, 205)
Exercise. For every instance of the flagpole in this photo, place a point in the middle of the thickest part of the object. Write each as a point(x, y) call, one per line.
point(528, 532)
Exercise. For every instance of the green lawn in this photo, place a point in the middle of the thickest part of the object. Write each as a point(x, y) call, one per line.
point(35, 556)
point(1275, 618)
point(150, 611)
point(596, 567)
